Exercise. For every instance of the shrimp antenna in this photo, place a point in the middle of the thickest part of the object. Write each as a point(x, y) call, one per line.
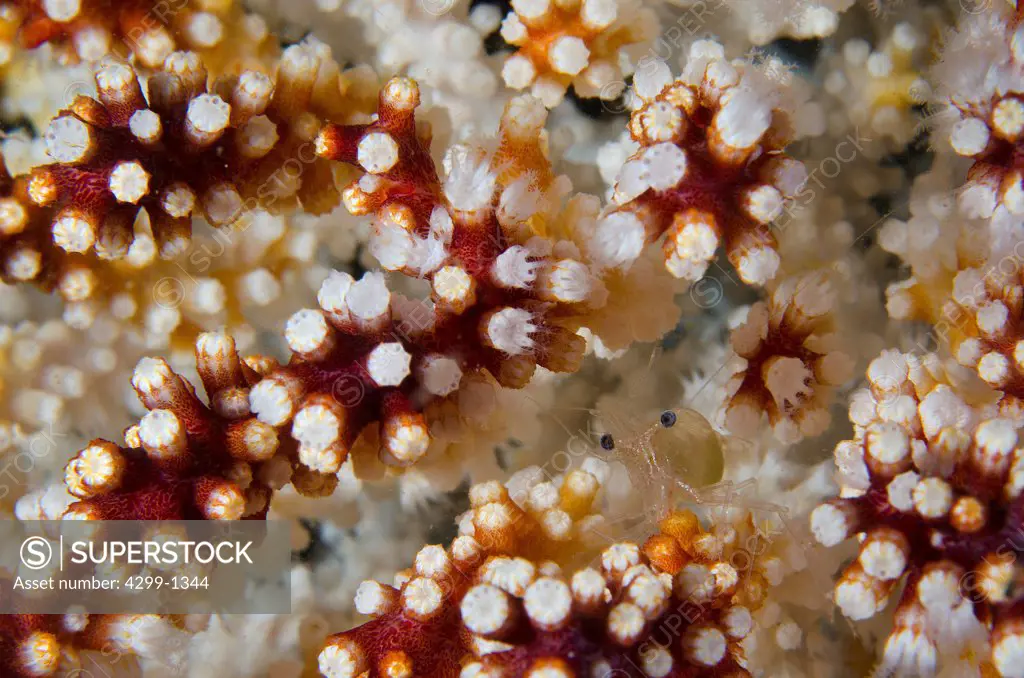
point(552, 413)
point(655, 353)
point(588, 410)
point(561, 423)
point(707, 381)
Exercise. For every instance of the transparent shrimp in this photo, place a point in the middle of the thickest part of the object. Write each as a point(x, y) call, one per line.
point(680, 459)
point(676, 457)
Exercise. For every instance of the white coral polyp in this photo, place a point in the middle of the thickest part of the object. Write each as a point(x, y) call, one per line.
point(392, 245)
point(62, 10)
point(568, 55)
point(665, 165)
point(510, 330)
point(68, 139)
point(758, 265)
point(618, 240)
point(377, 152)
point(651, 79)
point(470, 183)
point(388, 364)
point(515, 268)
point(743, 119)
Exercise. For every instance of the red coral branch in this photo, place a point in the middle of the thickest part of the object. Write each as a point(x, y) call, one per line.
point(936, 499)
point(38, 645)
point(498, 305)
point(710, 171)
point(485, 607)
point(182, 150)
point(185, 460)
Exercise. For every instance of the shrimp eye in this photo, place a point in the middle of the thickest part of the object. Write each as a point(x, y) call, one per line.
point(668, 419)
point(607, 442)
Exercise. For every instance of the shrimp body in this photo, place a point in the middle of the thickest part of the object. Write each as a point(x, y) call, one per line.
point(674, 458)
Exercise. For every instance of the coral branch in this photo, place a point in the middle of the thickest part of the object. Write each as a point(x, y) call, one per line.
point(147, 30)
point(498, 602)
point(932, 487)
point(792, 361)
point(710, 170)
point(183, 151)
point(186, 460)
point(38, 645)
point(986, 320)
point(992, 138)
point(500, 303)
point(578, 43)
